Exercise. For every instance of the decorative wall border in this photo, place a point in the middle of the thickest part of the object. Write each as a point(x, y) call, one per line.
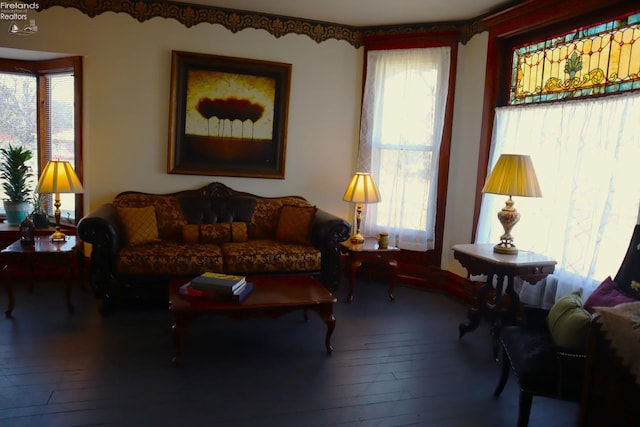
point(236, 20)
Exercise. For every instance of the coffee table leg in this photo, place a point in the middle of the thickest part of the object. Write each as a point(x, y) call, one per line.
point(180, 326)
point(331, 325)
point(326, 314)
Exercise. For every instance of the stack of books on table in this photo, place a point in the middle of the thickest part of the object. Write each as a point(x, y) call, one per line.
point(218, 285)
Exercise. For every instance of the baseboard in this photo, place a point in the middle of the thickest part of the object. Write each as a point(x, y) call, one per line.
point(434, 278)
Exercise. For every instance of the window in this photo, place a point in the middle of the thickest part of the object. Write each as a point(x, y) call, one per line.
point(585, 152)
point(401, 131)
point(595, 60)
point(51, 132)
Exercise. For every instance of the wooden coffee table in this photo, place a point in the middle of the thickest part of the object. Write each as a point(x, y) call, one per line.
point(272, 296)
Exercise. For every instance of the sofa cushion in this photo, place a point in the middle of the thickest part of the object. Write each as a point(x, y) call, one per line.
point(139, 225)
point(294, 224)
point(258, 256)
point(606, 295)
point(168, 212)
point(569, 322)
point(169, 258)
point(267, 213)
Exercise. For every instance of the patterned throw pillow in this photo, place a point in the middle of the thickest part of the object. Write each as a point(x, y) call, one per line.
point(217, 233)
point(294, 224)
point(606, 295)
point(138, 224)
point(239, 232)
point(191, 233)
point(568, 322)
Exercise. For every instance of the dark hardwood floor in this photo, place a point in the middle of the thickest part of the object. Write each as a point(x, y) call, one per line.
point(394, 364)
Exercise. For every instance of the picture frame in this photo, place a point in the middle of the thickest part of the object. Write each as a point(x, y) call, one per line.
point(228, 116)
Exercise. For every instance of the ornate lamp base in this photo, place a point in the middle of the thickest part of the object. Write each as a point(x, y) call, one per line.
point(358, 238)
point(58, 236)
point(508, 217)
point(505, 247)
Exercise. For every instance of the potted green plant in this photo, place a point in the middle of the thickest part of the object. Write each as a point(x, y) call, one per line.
point(16, 176)
point(39, 215)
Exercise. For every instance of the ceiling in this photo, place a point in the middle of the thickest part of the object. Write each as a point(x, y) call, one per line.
point(363, 13)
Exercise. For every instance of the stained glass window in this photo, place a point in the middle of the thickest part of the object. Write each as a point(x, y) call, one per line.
point(596, 60)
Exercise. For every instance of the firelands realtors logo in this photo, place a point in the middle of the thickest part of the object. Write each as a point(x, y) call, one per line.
point(16, 15)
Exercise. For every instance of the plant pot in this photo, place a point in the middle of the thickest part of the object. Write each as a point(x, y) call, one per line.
point(16, 212)
point(40, 220)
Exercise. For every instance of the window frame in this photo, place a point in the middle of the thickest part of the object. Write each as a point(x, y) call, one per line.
point(40, 69)
point(431, 258)
point(527, 22)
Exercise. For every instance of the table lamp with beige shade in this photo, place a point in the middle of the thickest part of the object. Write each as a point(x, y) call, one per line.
point(58, 177)
point(513, 175)
point(362, 189)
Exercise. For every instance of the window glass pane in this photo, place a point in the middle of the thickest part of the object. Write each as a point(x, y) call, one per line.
point(18, 101)
point(405, 144)
point(408, 110)
point(595, 60)
point(61, 131)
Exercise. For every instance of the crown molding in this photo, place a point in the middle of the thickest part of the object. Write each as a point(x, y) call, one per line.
point(278, 26)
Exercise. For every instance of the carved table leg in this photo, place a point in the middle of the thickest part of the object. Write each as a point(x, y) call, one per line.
point(180, 326)
point(394, 272)
point(475, 314)
point(497, 311)
point(9, 289)
point(331, 325)
point(326, 314)
point(69, 284)
point(355, 265)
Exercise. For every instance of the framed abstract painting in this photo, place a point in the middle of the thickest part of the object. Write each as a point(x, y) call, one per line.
point(228, 116)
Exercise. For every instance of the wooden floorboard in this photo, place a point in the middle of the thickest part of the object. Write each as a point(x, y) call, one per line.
point(395, 364)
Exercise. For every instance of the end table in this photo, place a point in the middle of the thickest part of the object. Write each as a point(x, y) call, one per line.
point(480, 259)
point(369, 252)
point(43, 251)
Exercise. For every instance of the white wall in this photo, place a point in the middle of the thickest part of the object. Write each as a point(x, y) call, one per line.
point(126, 102)
point(126, 108)
point(465, 142)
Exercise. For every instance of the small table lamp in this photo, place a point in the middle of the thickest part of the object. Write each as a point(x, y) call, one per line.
point(513, 175)
point(361, 189)
point(59, 177)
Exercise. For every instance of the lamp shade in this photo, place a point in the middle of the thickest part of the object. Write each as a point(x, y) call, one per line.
point(59, 177)
point(513, 175)
point(362, 189)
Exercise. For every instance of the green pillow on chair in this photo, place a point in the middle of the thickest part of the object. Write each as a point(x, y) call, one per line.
point(568, 322)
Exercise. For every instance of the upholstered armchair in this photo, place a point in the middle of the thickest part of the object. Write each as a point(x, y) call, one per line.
point(547, 350)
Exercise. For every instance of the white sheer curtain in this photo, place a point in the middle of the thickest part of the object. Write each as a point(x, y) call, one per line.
point(401, 128)
point(587, 159)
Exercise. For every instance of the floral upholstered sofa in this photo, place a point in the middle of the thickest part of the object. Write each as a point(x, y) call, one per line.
point(140, 241)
